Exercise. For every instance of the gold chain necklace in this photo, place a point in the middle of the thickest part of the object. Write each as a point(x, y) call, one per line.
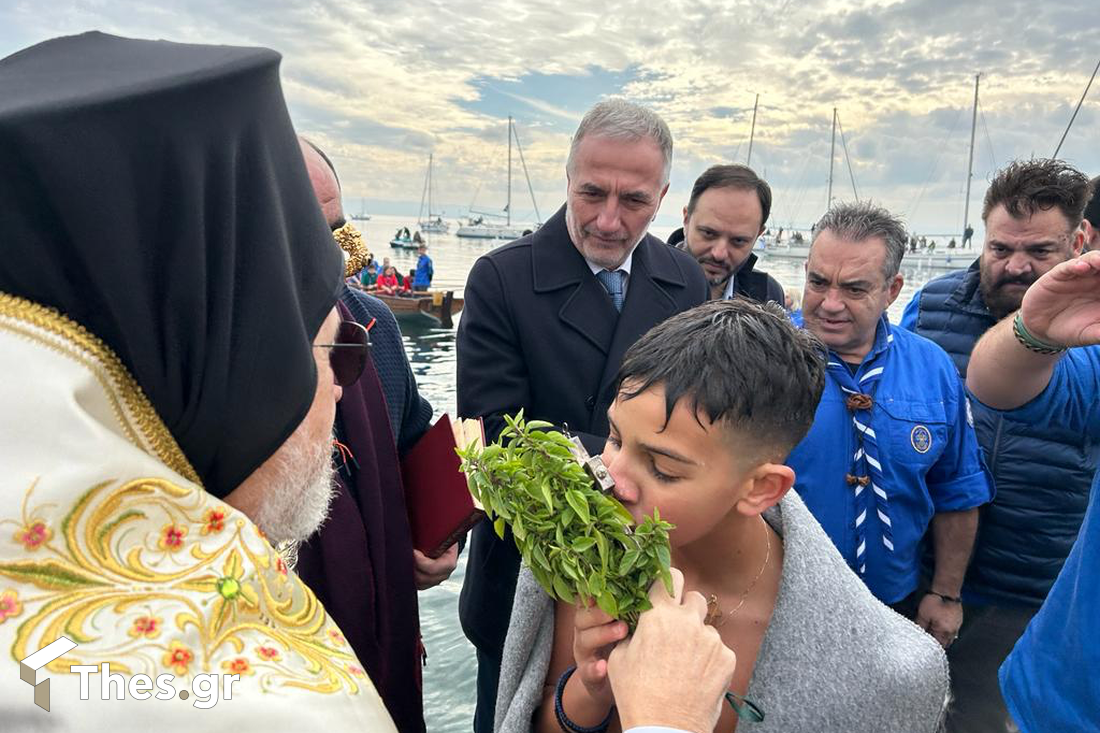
point(715, 617)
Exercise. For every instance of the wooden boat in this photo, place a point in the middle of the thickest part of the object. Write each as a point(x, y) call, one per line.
point(436, 306)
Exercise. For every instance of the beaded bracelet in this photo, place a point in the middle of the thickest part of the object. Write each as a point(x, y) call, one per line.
point(567, 725)
point(1031, 343)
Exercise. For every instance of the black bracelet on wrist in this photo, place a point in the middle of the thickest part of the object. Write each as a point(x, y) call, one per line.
point(567, 725)
point(945, 599)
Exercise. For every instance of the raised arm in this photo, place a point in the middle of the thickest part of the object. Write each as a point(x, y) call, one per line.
point(1060, 310)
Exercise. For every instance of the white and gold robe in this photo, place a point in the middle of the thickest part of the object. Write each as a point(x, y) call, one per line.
point(107, 539)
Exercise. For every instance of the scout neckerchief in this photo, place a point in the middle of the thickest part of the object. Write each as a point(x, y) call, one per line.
point(866, 467)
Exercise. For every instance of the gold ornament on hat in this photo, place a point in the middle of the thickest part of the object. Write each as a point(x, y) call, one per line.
point(350, 240)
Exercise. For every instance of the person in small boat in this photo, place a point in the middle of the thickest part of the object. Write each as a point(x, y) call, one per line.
point(388, 283)
point(368, 278)
point(396, 272)
point(406, 287)
point(422, 275)
point(708, 405)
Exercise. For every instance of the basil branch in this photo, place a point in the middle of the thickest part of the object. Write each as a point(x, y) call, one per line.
point(577, 541)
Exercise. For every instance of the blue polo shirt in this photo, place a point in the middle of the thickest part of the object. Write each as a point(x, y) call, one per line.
point(1051, 680)
point(927, 447)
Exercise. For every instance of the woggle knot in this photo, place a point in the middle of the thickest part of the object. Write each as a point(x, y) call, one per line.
point(859, 402)
point(853, 480)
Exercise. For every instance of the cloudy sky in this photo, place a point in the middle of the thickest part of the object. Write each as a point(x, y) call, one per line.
point(382, 84)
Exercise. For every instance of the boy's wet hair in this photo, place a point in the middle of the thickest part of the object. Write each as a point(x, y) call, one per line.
point(736, 361)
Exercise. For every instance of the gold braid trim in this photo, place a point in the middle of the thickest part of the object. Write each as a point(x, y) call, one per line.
point(91, 349)
point(350, 240)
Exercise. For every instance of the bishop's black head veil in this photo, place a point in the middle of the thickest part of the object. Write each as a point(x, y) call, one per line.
point(155, 193)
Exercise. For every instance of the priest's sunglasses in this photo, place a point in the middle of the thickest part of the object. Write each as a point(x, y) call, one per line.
point(348, 355)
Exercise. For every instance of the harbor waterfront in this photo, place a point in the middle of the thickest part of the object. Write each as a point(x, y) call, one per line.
point(449, 678)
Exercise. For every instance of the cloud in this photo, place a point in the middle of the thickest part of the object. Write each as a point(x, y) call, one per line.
point(381, 84)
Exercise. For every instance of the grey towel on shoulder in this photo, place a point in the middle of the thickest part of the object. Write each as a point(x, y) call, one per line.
point(833, 659)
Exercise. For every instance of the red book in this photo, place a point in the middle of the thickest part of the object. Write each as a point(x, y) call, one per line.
point(441, 508)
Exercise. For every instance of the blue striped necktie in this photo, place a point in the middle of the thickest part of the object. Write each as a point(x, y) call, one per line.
point(866, 467)
point(613, 283)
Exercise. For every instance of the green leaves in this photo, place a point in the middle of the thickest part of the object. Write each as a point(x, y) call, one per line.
point(582, 544)
point(579, 504)
point(578, 542)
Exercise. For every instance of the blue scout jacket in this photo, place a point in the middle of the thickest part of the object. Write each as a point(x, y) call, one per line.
point(929, 456)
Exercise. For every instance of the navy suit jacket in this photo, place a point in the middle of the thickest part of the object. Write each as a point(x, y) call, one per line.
point(539, 333)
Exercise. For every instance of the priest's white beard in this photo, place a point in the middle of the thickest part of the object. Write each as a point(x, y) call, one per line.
point(296, 503)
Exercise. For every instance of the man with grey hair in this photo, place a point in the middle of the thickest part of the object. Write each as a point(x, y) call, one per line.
point(892, 451)
point(548, 319)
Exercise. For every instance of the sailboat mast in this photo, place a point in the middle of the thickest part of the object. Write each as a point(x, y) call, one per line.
point(430, 186)
point(970, 160)
point(508, 208)
point(424, 194)
point(752, 130)
point(832, 157)
point(1077, 109)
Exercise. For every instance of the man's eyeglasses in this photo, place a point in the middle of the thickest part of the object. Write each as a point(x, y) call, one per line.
point(348, 355)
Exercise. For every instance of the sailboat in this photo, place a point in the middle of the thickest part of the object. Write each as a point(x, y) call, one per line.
point(434, 224)
point(938, 259)
point(478, 227)
point(362, 215)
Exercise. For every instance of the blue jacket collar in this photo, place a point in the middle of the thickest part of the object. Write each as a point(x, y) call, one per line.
point(967, 297)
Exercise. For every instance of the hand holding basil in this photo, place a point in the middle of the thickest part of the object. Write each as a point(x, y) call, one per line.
point(577, 541)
